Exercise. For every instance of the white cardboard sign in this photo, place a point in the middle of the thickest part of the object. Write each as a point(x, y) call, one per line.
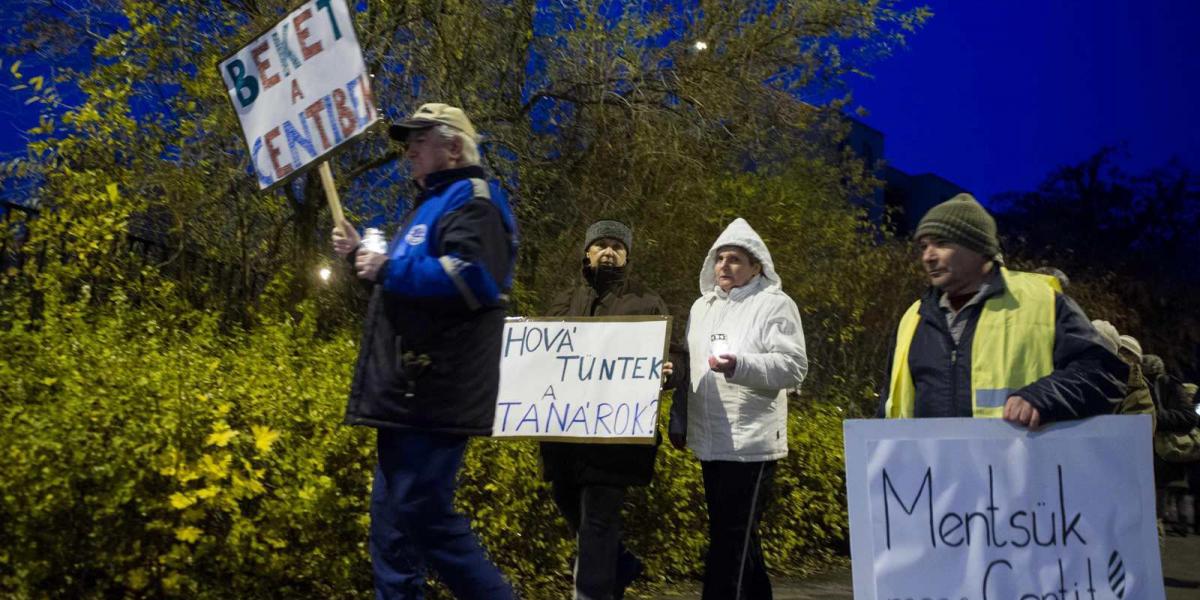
point(581, 379)
point(978, 509)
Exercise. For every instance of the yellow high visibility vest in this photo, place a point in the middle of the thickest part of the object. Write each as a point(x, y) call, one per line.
point(1013, 346)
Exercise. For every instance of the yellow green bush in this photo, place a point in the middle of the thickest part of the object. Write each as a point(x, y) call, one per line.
point(149, 454)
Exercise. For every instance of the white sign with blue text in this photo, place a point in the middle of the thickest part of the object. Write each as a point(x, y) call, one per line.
point(581, 379)
point(300, 89)
point(979, 509)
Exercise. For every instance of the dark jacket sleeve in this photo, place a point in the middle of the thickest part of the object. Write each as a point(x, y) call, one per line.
point(477, 233)
point(561, 305)
point(680, 383)
point(1173, 413)
point(676, 347)
point(1087, 380)
point(677, 423)
point(1176, 421)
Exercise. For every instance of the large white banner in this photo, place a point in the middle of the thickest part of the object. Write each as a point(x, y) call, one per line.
point(978, 509)
point(300, 89)
point(581, 379)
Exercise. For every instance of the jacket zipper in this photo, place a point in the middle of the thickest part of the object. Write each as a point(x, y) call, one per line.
point(954, 374)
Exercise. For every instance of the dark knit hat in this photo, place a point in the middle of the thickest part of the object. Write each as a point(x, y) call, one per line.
point(964, 221)
point(608, 229)
point(1152, 366)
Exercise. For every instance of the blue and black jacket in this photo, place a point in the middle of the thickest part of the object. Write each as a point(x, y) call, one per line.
point(430, 352)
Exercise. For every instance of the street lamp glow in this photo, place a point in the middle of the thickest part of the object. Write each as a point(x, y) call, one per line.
point(324, 273)
point(700, 45)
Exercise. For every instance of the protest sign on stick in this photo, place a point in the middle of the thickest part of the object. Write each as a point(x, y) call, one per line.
point(301, 90)
point(981, 509)
point(581, 379)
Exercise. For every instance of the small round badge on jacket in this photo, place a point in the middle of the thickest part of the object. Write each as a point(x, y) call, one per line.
point(718, 344)
point(416, 235)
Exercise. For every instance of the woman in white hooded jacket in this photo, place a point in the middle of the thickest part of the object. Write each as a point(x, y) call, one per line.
point(746, 350)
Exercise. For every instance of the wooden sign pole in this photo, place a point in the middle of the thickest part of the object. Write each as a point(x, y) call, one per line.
point(331, 196)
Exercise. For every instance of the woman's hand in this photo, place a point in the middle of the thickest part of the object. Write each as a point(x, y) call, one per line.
point(725, 364)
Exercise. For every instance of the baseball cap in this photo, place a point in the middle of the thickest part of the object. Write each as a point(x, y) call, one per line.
point(429, 115)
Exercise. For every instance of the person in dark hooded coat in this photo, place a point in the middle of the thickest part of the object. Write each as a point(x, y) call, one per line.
point(589, 481)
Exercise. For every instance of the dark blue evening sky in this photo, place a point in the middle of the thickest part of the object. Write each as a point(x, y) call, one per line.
point(993, 95)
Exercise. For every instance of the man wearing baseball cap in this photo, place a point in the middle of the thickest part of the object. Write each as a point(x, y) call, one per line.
point(428, 365)
point(984, 341)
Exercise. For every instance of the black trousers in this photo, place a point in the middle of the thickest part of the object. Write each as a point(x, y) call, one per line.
point(736, 493)
point(594, 514)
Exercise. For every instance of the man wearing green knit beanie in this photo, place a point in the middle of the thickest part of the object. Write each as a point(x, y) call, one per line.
point(964, 221)
point(984, 341)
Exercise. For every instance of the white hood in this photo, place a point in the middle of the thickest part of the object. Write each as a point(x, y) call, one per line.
point(740, 234)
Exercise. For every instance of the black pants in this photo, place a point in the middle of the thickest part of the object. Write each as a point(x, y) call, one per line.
point(594, 513)
point(736, 494)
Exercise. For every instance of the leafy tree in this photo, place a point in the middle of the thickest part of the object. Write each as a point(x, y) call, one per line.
point(589, 108)
point(157, 255)
point(1131, 237)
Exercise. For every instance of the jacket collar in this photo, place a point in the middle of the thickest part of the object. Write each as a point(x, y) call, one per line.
point(434, 182)
point(737, 294)
point(930, 300)
point(994, 281)
point(607, 281)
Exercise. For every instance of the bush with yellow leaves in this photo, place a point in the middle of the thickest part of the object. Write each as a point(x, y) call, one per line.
point(147, 454)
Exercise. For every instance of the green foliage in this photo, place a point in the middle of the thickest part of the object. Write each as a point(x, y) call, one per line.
point(1127, 241)
point(591, 111)
point(807, 519)
point(148, 454)
point(170, 428)
point(188, 397)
